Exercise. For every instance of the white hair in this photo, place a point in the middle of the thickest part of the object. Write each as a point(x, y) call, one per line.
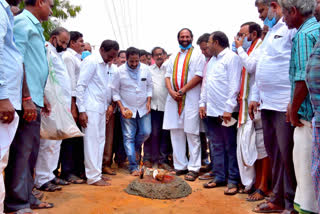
point(305, 7)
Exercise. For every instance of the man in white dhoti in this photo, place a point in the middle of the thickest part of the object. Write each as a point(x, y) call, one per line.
point(251, 152)
point(49, 150)
point(93, 100)
point(183, 77)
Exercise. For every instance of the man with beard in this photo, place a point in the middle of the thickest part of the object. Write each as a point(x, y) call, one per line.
point(11, 76)
point(24, 149)
point(132, 90)
point(49, 150)
point(95, 105)
point(157, 147)
point(183, 78)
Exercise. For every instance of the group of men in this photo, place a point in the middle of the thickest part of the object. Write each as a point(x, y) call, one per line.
point(256, 106)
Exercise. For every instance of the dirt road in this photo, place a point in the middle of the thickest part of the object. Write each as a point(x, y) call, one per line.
point(86, 199)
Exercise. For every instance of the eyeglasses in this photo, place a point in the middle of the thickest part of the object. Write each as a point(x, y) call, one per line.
point(157, 55)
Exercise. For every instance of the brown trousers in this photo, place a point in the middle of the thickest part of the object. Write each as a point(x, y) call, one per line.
point(107, 155)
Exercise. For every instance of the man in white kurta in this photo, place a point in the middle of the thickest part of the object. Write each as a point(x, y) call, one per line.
point(49, 150)
point(186, 125)
point(93, 100)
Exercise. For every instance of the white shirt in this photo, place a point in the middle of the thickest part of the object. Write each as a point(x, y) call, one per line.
point(249, 62)
point(189, 120)
point(272, 73)
point(222, 84)
point(92, 87)
point(61, 73)
point(73, 62)
point(159, 91)
point(133, 93)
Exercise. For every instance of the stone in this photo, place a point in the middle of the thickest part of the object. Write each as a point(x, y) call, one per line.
point(171, 187)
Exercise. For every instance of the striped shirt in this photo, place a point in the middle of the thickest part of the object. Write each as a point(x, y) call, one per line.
point(303, 43)
point(313, 80)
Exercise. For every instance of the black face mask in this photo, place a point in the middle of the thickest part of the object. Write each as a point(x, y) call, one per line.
point(59, 48)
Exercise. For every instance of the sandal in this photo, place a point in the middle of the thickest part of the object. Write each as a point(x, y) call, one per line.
point(42, 205)
point(215, 182)
point(259, 192)
point(49, 187)
point(59, 181)
point(231, 186)
point(191, 176)
point(75, 179)
point(266, 208)
point(135, 173)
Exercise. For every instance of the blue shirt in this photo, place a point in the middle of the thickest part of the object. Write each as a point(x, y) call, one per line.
point(11, 68)
point(303, 43)
point(30, 41)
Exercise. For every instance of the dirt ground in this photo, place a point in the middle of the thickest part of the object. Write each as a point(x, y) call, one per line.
point(89, 199)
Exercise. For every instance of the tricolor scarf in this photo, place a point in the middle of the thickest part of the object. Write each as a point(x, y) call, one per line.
point(244, 90)
point(184, 77)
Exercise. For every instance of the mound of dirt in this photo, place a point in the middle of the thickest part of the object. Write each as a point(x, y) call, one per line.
point(170, 188)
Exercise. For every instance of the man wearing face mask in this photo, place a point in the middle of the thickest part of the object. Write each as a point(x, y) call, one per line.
point(183, 78)
point(49, 150)
point(252, 33)
point(273, 96)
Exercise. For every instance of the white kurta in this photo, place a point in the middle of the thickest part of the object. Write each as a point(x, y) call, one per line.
point(49, 150)
point(189, 119)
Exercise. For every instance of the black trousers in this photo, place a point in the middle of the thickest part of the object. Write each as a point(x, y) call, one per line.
point(278, 140)
point(71, 157)
point(22, 160)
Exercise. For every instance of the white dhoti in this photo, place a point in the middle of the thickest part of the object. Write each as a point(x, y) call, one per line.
point(305, 196)
point(94, 141)
point(250, 147)
point(7, 133)
point(47, 161)
point(180, 161)
point(3, 164)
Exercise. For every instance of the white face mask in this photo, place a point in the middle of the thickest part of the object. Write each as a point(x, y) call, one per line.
point(246, 44)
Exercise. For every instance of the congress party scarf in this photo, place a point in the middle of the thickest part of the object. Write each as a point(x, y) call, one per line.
point(184, 77)
point(244, 91)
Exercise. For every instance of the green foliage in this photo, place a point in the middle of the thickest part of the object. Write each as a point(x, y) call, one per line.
point(61, 10)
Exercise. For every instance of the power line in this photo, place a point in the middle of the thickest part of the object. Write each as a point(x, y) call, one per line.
point(113, 30)
point(115, 11)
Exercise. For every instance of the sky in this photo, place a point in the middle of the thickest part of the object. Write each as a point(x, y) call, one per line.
point(145, 24)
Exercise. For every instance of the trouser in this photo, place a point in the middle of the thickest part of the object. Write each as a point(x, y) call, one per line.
point(108, 154)
point(278, 141)
point(71, 157)
point(135, 132)
point(94, 141)
point(305, 195)
point(47, 161)
point(180, 160)
point(118, 147)
point(223, 142)
point(204, 149)
point(157, 147)
point(22, 158)
point(3, 164)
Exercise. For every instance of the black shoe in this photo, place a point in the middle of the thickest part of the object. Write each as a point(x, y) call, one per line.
point(181, 172)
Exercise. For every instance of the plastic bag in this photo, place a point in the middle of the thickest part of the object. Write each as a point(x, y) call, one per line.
point(59, 124)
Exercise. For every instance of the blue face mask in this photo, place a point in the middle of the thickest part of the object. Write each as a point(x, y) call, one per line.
point(234, 48)
point(246, 44)
point(270, 20)
point(185, 48)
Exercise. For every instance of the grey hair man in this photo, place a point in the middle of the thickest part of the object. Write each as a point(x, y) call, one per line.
point(49, 150)
point(298, 14)
point(273, 93)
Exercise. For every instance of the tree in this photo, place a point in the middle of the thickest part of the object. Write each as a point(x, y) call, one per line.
point(62, 10)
